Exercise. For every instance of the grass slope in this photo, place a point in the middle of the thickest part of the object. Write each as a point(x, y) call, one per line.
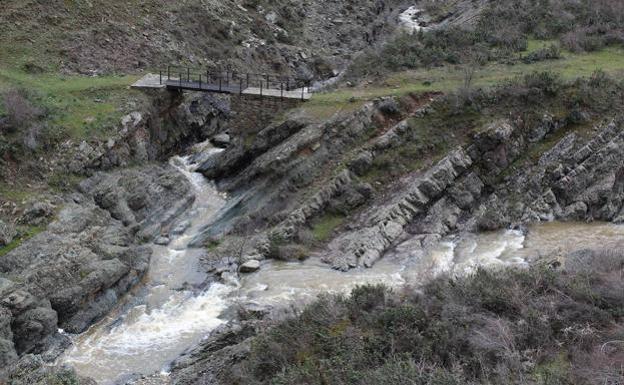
point(82, 107)
point(450, 78)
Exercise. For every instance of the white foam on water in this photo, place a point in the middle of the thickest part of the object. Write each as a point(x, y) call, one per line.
point(165, 321)
point(492, 250)
point(409, 20)
point(181, 317)
point(443, 257)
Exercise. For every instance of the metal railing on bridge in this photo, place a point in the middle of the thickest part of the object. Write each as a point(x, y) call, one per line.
point(233, 82)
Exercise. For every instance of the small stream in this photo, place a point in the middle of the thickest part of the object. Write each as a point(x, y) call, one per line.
point(413, 20)
point(174, 310)
point(171, 312)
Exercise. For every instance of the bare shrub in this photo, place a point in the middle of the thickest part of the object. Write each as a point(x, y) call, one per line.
point(20, 112)
point(582, 40)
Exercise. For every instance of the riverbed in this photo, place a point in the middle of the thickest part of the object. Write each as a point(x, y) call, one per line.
point(177, 306)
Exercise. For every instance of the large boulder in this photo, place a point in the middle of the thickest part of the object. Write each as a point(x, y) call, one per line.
point(250, 266)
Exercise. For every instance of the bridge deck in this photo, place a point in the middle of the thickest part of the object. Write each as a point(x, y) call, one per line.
point(299, 93)
point(151, 81)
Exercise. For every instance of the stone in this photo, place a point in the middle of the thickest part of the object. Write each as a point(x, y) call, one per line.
point(389, 107)
point(7, 233)
point(8, 355)
point(162, 241)
point(19, 301)
point(32, 326)
point(362, 163)
point(575, 211)
point(221, 140)
point(181, 227)
point(250, 266)
point(271, 17)
point(131, 120)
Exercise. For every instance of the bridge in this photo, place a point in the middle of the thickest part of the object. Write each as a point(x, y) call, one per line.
point(227, 82)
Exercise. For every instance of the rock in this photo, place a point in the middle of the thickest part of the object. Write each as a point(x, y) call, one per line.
point(8, 354)
point(180, 227)
point(362, 163)
point(32, 370)
point(250, 266)
point(131, 120)
point(389, 107)
point(162, 241)
point(19, 301)
point(271, 17)
point(221, 140)
point(576, 211)
point(351, 198)
point(31, 326)
point(7, 233)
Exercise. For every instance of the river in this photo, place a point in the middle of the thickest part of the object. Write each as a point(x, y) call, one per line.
point(175, 309)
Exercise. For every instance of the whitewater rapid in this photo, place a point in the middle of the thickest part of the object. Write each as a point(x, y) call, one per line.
point(175, 309)
point(171, 312)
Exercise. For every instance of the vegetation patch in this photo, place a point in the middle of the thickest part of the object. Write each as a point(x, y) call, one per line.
point(323, 228)
point(450, 78)
point(25, 233)
point(516, 326)
point(79, 107)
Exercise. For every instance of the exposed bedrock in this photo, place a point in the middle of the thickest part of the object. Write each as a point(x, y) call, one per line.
point(72, 274)
point(287, 173)
point(477, 188)
point(295, 172)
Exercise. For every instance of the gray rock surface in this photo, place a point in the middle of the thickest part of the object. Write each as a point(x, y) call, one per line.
point(250, 266)
point(72, 274)
point(37, 213)
point(221, 140)
point(32, 370)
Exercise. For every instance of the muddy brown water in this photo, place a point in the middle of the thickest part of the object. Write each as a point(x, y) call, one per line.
point(170, 313)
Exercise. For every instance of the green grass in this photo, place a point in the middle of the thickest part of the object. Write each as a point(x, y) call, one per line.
point(25, 234)
point(450, 78)
point(83, 107)
point(14, 193)
point(535, 45)
point(325, 226)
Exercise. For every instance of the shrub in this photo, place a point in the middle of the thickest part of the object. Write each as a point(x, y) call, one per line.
point(551, 52)
point(19, 111)
point(494, 327)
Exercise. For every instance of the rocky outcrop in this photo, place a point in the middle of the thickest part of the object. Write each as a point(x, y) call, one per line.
point(366, 245)
point(172, 121)
point(299, 171)
point(208, 363)
point(73, 273)
point(577, 179)
point(32, 370)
